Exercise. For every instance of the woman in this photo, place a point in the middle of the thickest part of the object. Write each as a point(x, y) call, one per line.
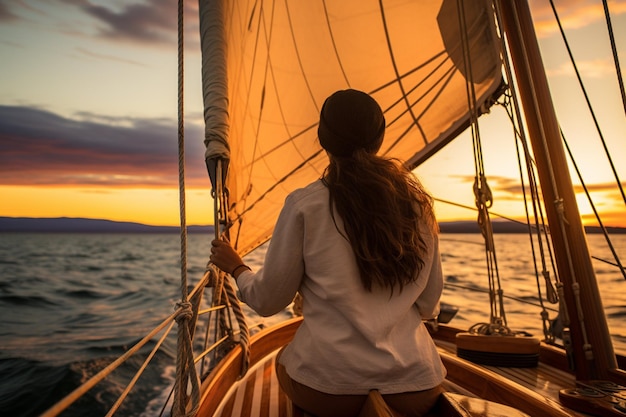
point(360, 245)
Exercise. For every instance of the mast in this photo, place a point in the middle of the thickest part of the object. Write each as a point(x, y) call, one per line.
point(592, 348)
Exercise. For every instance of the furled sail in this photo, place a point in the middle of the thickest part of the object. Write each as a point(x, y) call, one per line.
point(269, 66)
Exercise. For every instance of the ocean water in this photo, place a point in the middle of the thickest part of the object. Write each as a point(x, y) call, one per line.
point(72, 303)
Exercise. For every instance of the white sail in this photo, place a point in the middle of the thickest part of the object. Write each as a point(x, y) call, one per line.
point(284, 58)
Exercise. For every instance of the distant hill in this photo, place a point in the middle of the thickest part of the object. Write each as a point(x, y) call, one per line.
point(472, 227)
point(82, 225)
point(506, 226)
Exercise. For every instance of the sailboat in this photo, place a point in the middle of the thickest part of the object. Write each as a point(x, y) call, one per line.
point(436, 67)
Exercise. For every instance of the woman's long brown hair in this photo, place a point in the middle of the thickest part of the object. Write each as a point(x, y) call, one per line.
point(382, 205)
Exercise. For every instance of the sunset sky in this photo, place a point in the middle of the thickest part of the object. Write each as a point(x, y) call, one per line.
point(88, 113)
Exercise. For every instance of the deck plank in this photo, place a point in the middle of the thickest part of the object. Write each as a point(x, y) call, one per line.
point(266, 392)
point(258, 394)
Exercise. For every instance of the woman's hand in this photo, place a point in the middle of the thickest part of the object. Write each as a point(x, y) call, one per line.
point(225, 257)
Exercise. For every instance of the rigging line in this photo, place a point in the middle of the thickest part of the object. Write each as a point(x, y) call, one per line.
point(420, 83)
point(268, 42)
point(591, 111)
point(450, 73)
point(540, 226)
point(81, 390)
point(517, 121)
point(540, 222)
point(310, 158)
point(209, 349)
point(446, 59)
point(139, 373)
point(220, 326)
point(551, 294)
point(473, 208)
point(481, 189)
point(609, 263)
point(332, 40)
point(219, 212)
point(181, 159)
point(280, 145)
point(541, 128)
point(290, 137)
point(520, 137)
point(620, 80)
point(593, 207)
point(412, 71)
point(393, 61)
point(486, 291)
point(530, 232)
point(464, 241)
point(297, 52)
point(277, 183)
point(542, 134)
point(185, 371)
point(558, 200)
point(270, 69)
point(252, 12)
point(469, 86)
point(514, 112)
point(376, 90)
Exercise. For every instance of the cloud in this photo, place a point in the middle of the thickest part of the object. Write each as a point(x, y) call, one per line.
point(573, 14)
point(508, 188)
point(91, 54)
point(598, 68)
point(6, 15)
point(150, 23)
point(608, 217)
point(497, 184)
point(153, 22)
point(41, 148)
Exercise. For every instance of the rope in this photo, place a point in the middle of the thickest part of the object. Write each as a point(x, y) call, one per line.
point(521, 139)
point(494, 328)
point(562, 221)
point(482, 192)
point(133, 381)
point(214, 282)
point(80, 391)
point(618, 263)
point(224, 293)
point(618, 70)
point(515, 115)
point(540, 227)
point(185, 369)
point(591, 112)
point(244, 332)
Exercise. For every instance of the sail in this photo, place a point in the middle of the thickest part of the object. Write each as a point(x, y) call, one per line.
point(269, 66)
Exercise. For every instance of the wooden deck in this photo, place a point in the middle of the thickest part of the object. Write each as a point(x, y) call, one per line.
point(258, 394)
point(531, 390)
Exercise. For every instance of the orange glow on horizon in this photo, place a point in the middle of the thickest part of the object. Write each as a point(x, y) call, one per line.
point(151, 206)
point(160, 206)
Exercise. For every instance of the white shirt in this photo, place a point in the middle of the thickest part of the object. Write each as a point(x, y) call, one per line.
point(351, 340)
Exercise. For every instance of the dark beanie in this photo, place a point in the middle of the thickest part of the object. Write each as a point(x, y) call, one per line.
point(351, 120)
